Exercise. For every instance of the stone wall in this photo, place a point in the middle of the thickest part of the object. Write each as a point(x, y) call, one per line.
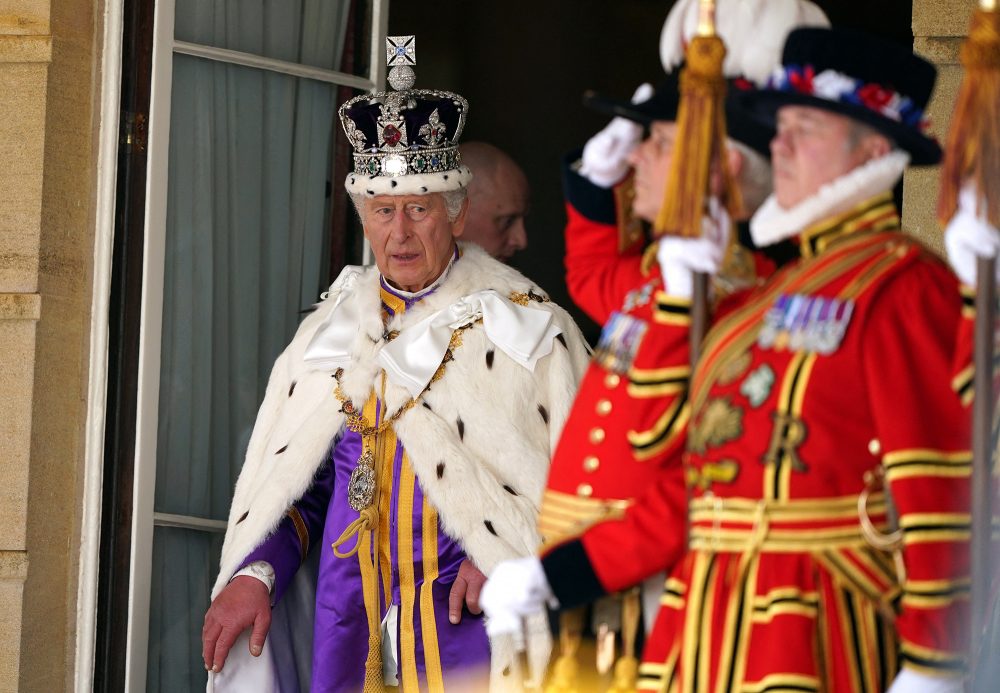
point(48, 168)
point(25, 52)
point(66, 257)
point(939, 27)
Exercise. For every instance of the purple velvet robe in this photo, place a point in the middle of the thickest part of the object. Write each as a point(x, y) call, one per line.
point(417, 562)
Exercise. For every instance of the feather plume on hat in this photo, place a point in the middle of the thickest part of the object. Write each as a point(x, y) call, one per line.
point(754, 32)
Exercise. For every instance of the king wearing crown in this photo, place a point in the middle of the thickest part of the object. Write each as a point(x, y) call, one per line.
point(403, 443)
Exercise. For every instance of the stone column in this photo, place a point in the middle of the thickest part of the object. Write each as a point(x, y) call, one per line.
point(65, 271)
point(939, 27)
point(48, 165)
point(25, 52)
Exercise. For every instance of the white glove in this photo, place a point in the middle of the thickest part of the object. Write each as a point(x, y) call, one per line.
point(605, 156)
point(909, 681)
point(515, 590)
point(680, 258)
point(968, 237)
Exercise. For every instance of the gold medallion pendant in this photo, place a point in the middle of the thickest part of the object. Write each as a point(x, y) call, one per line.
point(361, 489)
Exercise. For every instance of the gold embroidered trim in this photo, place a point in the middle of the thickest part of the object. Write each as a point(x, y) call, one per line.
point(357, 422)
point(817, 238)
point(564, 516)
point(301, 530)
point(523, 299)
point(778, 682)
point(666, 429)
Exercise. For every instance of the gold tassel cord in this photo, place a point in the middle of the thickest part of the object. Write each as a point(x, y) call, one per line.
point(363, 529)
point(698, 156)
point(972, 150)
point(365, 523)
point(699, 147)
point(626, 673)
point(565, 670)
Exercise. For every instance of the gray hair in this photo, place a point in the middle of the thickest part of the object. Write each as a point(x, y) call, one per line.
point(857, 131)
point(755, 177)
point(453, 201)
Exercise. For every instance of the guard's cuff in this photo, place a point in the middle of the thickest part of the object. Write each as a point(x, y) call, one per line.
point(592, 201)
point(963, 384)
point(571, 576)
point(669, 309)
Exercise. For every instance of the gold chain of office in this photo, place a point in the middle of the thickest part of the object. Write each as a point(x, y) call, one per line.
point(356, 420)
point(361, 489)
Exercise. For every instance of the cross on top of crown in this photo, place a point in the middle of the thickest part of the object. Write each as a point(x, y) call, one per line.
point(400, 55)
point(400, 50)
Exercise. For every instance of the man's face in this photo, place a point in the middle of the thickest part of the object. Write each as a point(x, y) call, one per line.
point(411, 237)
point(497, 208)
point(651, 161)
point(812, 147)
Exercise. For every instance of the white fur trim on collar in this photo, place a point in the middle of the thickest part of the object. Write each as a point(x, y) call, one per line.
point(773, 223)
point(410, 184)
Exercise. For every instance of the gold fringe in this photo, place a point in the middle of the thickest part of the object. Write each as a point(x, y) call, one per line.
point(972, 151)
point(565, 671)
point(626, 673)
point(699, 144)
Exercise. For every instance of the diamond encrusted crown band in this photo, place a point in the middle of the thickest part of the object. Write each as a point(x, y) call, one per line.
point(408, 162)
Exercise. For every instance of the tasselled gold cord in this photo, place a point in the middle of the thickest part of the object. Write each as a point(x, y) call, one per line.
point(626, 672)
point(565, 670)
point(366, 530)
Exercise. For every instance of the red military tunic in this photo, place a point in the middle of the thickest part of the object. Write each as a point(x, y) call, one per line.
point(613, 440)
point(626, 420)
point(776, 586)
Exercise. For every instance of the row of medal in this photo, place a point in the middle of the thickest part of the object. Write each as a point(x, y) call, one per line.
point(798, 322)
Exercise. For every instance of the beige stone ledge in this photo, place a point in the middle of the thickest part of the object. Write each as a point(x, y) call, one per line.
point(24, 16)
point(25, 49)
point(940, 50)
point(20, 306)
point(14, 565)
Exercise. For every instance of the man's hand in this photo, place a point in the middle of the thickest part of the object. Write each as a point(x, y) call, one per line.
point(516, 589)
point(605, 156)
point(466, 589)
point(244, 602)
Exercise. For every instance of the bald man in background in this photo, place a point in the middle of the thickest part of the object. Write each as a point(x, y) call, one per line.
point(498, 201)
